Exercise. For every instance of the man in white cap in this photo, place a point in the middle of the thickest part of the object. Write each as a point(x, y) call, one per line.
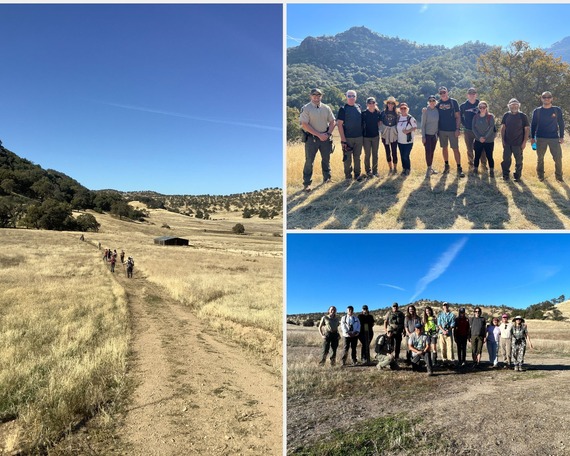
point(350, 127)
point(515, 130)
point(317, 121)
point(547, 130)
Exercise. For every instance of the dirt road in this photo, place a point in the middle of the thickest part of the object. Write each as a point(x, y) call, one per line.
point(483, 411)
point(196, 393)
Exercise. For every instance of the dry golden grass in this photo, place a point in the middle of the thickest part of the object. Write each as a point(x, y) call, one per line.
point(442, 202)
point(233, 283)
point(63, 334)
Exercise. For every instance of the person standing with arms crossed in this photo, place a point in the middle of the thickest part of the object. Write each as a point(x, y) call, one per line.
point(317, 121)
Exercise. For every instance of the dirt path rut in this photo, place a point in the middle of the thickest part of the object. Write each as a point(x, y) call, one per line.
point(195, 392)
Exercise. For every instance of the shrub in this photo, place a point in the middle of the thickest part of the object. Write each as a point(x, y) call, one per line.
point(238, 229)
point(309, 322)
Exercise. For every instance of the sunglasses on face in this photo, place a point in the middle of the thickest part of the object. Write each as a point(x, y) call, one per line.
point(351, 96)
point(442, 93)
point(546, 98)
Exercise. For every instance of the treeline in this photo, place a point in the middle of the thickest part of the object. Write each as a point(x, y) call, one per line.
point(380, 66)
point(266, 203)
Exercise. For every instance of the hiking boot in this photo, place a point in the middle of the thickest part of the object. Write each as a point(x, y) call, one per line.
point(360, 178)
point(327, 181)
point(541, 178)
point(446, 169)
point(322, 362)
point(307, 188)
point(376, 175)
point(460, 172)
point(560, 179)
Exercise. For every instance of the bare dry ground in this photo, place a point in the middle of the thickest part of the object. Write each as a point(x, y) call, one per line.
point(443, 201)
point(203, 374)
point(476, 411)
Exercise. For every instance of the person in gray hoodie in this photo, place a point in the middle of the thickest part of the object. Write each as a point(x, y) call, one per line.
point(429, 124)
point(484, 131)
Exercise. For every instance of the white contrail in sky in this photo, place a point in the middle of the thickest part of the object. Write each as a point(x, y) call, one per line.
point(391, 286)
point(185, 116)
point(298, 40)
point(440, 266)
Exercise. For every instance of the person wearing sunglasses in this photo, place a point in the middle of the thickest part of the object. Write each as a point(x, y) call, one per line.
point(406, 127)
point(389, 119)
point(449, 129)
point(350, 126)
point(371, 137)
point(547, 131)
point(484, 130)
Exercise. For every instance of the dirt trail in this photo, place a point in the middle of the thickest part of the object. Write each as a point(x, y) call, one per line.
point(486, 411)
point(195, 392)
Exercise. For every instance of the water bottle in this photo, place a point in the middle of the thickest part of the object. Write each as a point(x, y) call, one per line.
point(534, 144)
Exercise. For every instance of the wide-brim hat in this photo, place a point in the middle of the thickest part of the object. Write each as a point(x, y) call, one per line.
point(518, 317)
point(391, 100)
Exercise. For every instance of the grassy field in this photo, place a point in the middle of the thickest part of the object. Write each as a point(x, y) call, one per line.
point(441, 202)
point(360, 410)
point(64, 320)
point(63, 335)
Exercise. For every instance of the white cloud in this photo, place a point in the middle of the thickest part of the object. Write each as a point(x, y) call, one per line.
point(440, 266)
point(391, 286)
point(297, 40)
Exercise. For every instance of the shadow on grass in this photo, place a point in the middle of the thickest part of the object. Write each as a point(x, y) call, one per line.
point(534, 210)
point(435, 207)
point(343, 203)
point(563, 203)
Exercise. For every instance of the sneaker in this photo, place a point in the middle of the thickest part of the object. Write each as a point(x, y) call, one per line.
point(433, 171)
point(376, 175)
point(460, 172)
point(541, 178)
point(308, 188)
point(360, 178)
point(327, 181)
point(446, 169)
point(560, 180)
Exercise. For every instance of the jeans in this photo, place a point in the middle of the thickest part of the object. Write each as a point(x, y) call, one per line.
point(493, 349)
point(405, 151)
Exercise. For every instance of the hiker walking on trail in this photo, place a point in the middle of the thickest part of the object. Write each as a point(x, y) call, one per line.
point(366, 334)
point(519, 338)
point(446, 323)
point(419, 346)
point(123, 256)
point(317, 122)
point(350, 328)
point(395, 319)
point(130, 267)
point(384, 349)
point(515, 131)
point(328, 329)
point(484, 131)
point(505, 341)
point(547, 130)
point(350, 126)
point(113, 261)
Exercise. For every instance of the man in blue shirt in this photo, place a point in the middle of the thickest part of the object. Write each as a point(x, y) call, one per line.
point(445, 324)
point(547, 130)
point(449, 122)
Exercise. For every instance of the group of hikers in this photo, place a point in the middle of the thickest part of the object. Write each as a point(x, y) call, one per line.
point(425, 338)
point(441, 120)
point(110, 257)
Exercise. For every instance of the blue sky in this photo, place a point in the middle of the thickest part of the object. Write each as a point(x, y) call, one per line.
point(179, 99)
point(515, 270)
point(442, 24)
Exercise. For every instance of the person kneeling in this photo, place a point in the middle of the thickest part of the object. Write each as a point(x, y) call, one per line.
point(418, 344)
point(385, 350)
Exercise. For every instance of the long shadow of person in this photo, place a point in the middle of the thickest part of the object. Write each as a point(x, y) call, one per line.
point(483, 204)
point(435, 207)
point(338, 206)
point(534, 210)
point(563, 203)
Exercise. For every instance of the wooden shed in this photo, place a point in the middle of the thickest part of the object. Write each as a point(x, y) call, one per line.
point(170, 240)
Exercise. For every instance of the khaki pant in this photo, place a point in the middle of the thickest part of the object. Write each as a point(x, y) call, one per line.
point(505, 349)
point(445, 345)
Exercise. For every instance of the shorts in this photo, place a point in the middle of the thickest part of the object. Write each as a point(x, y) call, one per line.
point(448, 136)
